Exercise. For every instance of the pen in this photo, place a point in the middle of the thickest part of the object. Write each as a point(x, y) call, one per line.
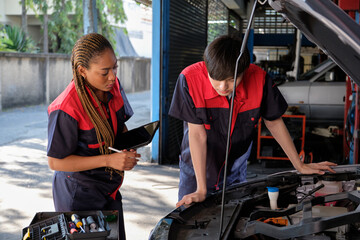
point(118, 151)
point(115, 150)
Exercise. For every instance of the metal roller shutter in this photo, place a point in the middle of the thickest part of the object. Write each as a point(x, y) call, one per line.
point(187, 40)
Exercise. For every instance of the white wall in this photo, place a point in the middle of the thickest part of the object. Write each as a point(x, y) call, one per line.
point(10, 12)
point(139, 27)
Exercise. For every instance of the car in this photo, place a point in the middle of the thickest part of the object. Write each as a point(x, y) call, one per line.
point(318, 93)
point(305, 210)
point(309, 206)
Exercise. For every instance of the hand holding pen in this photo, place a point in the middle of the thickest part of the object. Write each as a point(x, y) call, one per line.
point(123, 160)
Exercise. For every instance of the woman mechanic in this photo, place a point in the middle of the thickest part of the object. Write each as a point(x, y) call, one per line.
point(84, 121)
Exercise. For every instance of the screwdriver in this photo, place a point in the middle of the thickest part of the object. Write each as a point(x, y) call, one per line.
point(76, 219)
point(85, 225)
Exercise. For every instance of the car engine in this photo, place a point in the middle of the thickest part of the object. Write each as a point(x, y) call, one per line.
point(319, 207)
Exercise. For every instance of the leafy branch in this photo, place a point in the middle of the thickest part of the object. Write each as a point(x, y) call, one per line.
point(65, 24)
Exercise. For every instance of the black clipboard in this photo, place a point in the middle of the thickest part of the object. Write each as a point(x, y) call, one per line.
point(137, 137)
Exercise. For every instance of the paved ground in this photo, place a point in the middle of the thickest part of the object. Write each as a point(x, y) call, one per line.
point(149, 191)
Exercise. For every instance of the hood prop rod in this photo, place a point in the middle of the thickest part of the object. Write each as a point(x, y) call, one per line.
point(242, 49)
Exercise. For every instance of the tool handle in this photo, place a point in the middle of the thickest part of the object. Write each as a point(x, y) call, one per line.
point(72, 227)
point(76, 219)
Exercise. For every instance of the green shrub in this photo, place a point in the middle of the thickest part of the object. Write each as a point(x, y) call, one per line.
point(13, 39)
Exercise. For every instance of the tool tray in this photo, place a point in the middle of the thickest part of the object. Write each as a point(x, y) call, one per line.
point(40, 229)
point(36, 229)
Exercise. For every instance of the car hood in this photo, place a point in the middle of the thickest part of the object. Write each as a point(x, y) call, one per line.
point(329, 27)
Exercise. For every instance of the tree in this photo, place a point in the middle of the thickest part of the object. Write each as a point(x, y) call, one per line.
point(23, 17)
point(65, 24)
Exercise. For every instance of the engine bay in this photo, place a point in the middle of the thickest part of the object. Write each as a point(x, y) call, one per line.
point(320, 207)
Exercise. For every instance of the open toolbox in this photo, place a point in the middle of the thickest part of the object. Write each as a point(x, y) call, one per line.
point(92, 225)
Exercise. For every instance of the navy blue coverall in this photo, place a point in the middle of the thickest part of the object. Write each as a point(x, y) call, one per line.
point(196, 101)
point(70, 132)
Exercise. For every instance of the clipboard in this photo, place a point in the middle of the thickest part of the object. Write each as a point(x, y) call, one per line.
point(137, 137)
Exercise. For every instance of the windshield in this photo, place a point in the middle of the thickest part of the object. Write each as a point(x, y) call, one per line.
point(317, 69)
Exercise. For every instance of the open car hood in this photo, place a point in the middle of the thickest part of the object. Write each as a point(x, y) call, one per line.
point(329, 27)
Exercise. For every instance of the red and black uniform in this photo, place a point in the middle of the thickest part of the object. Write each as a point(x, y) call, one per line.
point(196, 101)
point(70, 132)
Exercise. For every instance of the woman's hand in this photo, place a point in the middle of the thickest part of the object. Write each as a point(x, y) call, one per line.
point(124, 161)
point(192, 197)
point(317, 168)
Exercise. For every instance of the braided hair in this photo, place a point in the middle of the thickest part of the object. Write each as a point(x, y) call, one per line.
point(85, 50)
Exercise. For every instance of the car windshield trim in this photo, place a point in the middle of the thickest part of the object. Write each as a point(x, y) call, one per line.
point(316, 70)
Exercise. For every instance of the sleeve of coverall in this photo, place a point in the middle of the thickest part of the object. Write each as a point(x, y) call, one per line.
point(62, 135)
point(182, 105)
point(273, 104)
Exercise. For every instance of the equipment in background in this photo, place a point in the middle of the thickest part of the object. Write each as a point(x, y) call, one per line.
point(269, 149)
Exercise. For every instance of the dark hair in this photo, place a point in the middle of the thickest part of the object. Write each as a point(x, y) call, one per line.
point(220, 57)
point(84, 52)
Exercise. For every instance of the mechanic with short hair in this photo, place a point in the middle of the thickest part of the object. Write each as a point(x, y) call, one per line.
point(202, 100)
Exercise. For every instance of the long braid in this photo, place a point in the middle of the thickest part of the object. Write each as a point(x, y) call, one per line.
point(85, 49)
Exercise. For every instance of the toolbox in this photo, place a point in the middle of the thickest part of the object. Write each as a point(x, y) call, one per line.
point(61, 225)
